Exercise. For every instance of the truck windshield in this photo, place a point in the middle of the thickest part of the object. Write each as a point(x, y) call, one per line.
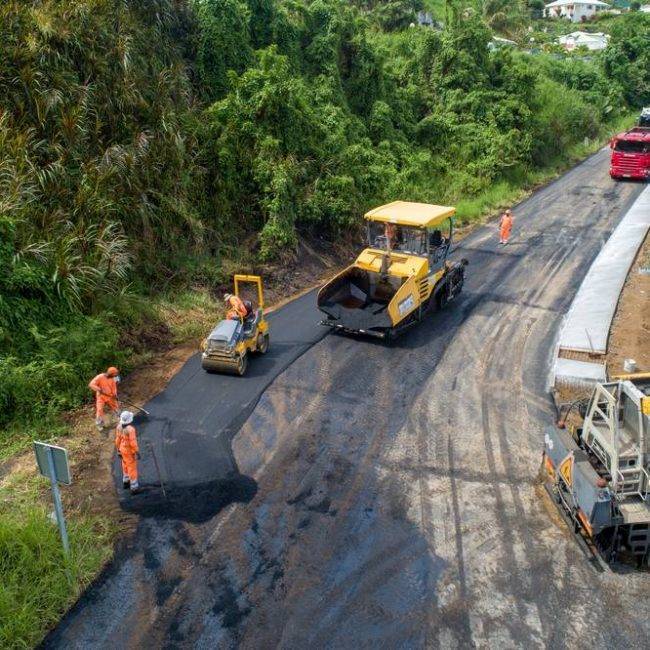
point(632, 146)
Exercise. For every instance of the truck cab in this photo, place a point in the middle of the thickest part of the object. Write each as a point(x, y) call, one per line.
point(630, 156)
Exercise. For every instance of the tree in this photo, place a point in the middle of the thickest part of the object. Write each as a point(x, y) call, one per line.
point(224, 42)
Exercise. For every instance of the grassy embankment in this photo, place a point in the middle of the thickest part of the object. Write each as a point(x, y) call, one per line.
point(505, 193)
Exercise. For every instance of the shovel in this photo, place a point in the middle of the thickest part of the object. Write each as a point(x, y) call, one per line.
point(155, 462)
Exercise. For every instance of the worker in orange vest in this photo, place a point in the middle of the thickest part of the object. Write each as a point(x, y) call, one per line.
point(238, 310)
point(126, 443)
point(104, 386)
point(505, 227)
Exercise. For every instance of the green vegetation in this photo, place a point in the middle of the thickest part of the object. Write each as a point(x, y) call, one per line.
point(142, 143)
point(38, 583)
point(148, 148)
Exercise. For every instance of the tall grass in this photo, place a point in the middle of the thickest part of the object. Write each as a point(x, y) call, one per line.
point(37, 582)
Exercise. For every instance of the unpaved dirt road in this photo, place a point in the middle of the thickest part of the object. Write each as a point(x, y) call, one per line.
point(387, 496)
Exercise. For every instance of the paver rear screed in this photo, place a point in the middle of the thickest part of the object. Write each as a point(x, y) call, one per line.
point(395, 498)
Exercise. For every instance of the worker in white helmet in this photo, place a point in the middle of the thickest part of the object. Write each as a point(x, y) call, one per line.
point(126, 443)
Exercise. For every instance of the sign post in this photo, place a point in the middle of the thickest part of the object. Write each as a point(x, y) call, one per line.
point(53, 464)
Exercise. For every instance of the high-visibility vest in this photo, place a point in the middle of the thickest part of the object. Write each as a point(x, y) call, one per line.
point(238, 305)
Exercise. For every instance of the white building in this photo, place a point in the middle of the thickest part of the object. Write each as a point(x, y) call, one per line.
point(576, 11)
point(497, 42)
point(597, 41)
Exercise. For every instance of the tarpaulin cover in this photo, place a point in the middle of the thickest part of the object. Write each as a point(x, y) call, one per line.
point(586, 327)
point(579, 371)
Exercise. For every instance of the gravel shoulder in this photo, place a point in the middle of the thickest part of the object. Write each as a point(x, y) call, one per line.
point(629, 336)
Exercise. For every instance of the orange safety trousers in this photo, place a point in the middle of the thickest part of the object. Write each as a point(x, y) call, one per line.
point(130, 467)
point(126, 443)
point(506, 228)
point(100, 401)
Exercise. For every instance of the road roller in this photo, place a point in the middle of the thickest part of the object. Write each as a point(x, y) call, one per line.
point(228, 346)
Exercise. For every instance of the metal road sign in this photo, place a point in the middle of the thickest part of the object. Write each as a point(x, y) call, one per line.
point(53, 464)
point(60, 457)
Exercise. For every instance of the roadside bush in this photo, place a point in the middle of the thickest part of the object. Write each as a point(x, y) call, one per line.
point(57, 364)
point(562, 118)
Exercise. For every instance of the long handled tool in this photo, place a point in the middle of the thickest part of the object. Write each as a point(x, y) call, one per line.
point(155, 462)
point(134, 406)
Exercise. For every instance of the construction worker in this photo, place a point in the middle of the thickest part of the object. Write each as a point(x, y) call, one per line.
point(505, 227)
point(238, 310)
point(390, 232)
point(126, 443)
point(105, 387)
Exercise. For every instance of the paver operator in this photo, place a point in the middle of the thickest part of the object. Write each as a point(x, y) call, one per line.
point(104, 386)
point(505, 227)
point(126, 443)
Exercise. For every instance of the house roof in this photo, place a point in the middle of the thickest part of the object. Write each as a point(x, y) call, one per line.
point(405, 213)
point(584, 36)
point(563, 3)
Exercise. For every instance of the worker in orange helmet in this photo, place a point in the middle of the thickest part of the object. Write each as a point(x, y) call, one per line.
point(238, 310)
point(104, 386)
point(126, 443)
point(505, 227)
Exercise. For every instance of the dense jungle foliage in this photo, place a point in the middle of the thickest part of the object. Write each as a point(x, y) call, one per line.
point(142, 141)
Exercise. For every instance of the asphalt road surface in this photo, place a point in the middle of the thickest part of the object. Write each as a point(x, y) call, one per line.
point(374, 495)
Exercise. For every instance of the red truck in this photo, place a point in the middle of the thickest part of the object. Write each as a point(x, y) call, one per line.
point(631, 154)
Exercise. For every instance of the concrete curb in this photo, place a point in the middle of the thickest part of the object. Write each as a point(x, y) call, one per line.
point(585, 328)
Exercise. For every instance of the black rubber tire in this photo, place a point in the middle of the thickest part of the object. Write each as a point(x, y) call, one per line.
point(242, 365)
point(262, 343)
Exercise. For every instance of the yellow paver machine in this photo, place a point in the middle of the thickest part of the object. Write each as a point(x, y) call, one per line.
point(400, 277)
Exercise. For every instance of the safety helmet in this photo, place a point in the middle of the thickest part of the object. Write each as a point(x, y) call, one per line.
point(227, 296)
point(508, 211)
point(126, 417)
point(112, 372)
